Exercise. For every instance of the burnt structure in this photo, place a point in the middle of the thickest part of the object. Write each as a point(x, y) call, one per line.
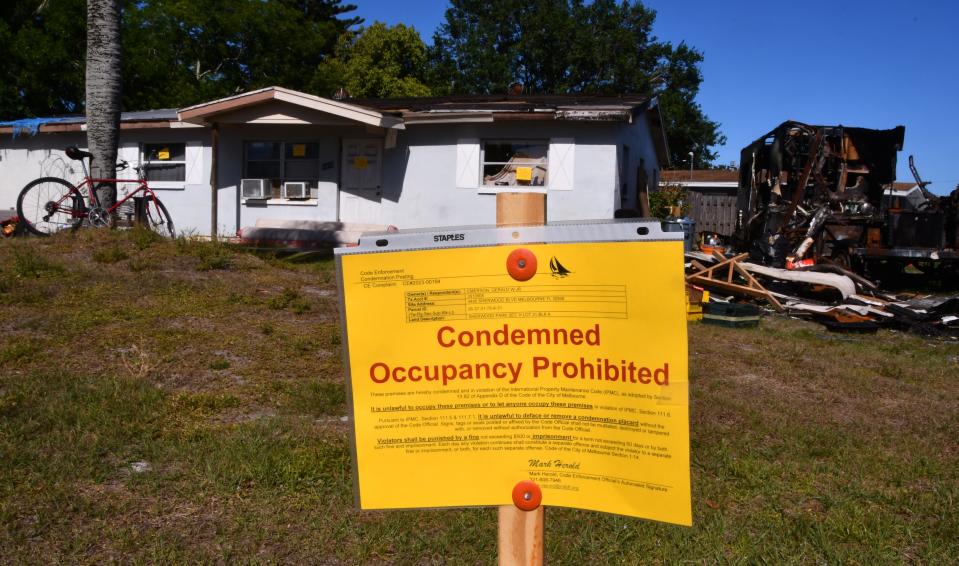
point(827, 192)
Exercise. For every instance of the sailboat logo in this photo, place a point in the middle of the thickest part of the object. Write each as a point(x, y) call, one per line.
point(557, 268)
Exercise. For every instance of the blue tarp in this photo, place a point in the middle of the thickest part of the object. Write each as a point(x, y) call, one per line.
point(31, 126)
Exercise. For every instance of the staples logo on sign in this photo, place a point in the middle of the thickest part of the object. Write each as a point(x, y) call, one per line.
point(448, 237)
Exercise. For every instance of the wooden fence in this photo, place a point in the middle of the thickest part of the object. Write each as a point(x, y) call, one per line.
point(714, 210)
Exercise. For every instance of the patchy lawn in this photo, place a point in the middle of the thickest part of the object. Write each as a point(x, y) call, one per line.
point(183, 402)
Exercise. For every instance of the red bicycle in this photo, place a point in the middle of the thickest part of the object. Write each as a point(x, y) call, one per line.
point(51, 204)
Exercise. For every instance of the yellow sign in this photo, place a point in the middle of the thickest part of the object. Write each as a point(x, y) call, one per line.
point(361, 162)
point(299, 150)
point(163, 154)
point(465, 381)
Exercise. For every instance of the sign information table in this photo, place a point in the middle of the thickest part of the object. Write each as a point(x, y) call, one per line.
point(465, 379)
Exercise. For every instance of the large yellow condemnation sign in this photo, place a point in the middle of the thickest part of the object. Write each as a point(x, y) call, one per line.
point(478, 358)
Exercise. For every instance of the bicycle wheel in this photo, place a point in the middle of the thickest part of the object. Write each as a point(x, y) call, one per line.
point(49, 205)
point(156, 217)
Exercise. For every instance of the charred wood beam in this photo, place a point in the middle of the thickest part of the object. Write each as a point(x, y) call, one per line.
point(800, 189)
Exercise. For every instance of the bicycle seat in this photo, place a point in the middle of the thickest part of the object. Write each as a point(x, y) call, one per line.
point(74, 152)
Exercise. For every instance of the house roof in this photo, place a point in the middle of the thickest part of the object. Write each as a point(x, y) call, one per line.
point(277, 105)
point(578, 108)
point(161, 118)
point(208, 112)
point(502, 107)
point(388, 112)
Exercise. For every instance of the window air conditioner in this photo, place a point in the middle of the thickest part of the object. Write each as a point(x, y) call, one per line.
point(255, 188)
point(296, 189)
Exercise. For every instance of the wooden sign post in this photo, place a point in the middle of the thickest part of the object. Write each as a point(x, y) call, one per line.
point(520, 538)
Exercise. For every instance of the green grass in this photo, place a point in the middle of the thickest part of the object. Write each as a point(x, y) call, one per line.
point(27, 262)
point(109, 254)
point(289, 299)
point(179, 412)
point(212, 254)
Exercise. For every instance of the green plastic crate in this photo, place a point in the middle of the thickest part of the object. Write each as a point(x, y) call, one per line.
point(731, 315)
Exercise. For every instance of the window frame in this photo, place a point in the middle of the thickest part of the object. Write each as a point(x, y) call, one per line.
point(483, 163)
point(276, 183)
point(145, 163)
point(247, 160)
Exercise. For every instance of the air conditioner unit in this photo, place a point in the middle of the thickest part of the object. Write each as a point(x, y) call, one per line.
point(296, 189)
point(255, 188)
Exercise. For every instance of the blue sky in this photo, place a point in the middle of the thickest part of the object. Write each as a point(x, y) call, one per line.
point(872, 64)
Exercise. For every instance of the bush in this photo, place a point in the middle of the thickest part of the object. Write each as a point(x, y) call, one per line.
point(664, 202)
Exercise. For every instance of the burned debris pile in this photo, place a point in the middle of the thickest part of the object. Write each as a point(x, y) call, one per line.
point(831, 295)
point(824, 232)
point(828, 192)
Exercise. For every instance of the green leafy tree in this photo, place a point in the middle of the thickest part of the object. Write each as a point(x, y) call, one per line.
point(379, 61)
point(175, 52)
point(43, 53)
point(181, 52)
point(575, 47)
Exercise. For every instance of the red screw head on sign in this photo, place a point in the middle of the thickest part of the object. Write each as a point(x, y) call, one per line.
point(521, 264)
point(527, 495)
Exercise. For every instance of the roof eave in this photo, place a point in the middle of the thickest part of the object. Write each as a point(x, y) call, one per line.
point(537, 115)
point(205, 114)
point(82, 126)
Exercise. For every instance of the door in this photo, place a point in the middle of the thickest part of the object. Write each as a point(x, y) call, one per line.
point(361, 183)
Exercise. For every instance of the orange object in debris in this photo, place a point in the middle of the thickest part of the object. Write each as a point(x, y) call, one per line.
point(9, 226)
point(808, 262)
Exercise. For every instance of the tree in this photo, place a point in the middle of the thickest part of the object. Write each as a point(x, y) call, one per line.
point(573, 47)
point(181, 52)
point(43, 57)
point(175, 52)
point(103, 91)
point(379, 61)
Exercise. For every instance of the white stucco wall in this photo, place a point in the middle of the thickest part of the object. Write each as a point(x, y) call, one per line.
point(189, 206)
point(419, 175)
point(233, 213)
point(428, 195)
point(25, 158)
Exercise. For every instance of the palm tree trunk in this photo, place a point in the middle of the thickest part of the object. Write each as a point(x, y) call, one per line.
point(103, 91)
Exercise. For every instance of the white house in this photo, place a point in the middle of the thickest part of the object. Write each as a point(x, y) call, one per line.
point(275, 154)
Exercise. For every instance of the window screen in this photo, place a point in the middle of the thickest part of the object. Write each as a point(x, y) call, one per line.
point(164, 162)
